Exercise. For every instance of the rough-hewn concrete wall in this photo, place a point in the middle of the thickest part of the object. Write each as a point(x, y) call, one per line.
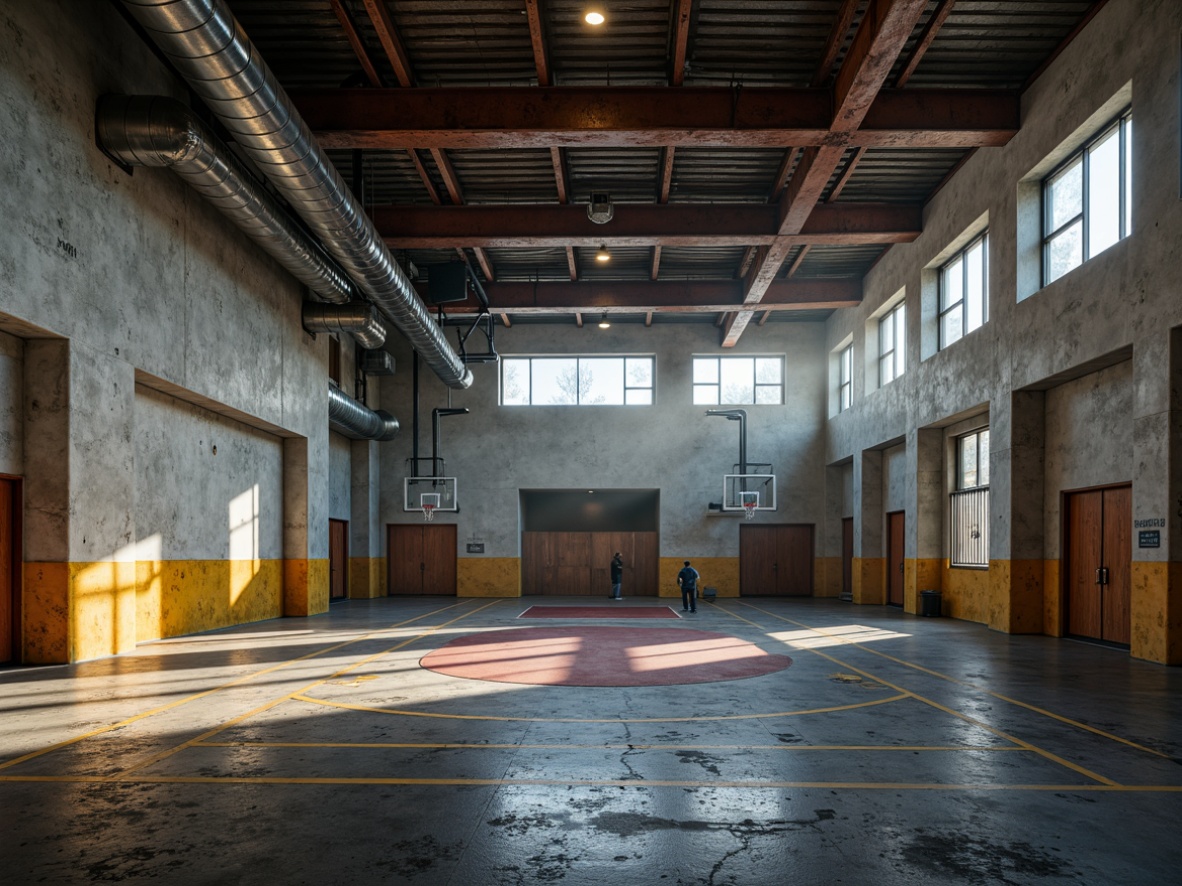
point(1123, 301)
point(110, 278)
point(339, 461)
point(671, 446)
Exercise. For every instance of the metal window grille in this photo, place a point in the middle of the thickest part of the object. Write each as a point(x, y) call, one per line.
point(969, 544)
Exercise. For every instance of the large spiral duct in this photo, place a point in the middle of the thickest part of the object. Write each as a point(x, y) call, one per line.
point(159, 131)
point(359, 319)
point(212, 52)
point(357, 421)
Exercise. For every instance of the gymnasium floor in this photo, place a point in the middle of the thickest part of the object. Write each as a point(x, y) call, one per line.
point(886, 748)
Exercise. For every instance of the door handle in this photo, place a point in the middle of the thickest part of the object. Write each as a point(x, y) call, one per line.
point(1103, 575)
point(900, 567)
point(1099, 580)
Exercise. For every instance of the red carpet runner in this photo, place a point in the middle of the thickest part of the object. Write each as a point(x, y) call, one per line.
point(602, 656)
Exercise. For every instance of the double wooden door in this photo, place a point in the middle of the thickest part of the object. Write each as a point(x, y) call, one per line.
point(776, 560)
point(896, 539)
point(579, 563)
point(10, 559)
point(1098, 557)
point(421, 558)
point(338, 559)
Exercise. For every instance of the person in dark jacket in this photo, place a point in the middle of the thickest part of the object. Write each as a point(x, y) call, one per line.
point(687, 580)
point(617, 575)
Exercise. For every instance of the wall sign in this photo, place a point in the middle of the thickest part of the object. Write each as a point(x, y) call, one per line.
point(1149, 538)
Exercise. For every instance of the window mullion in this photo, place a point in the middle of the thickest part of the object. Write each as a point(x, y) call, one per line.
point(1087, 219)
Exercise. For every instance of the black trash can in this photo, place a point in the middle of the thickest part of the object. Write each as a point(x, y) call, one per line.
point(708, 594)
point(929, 603)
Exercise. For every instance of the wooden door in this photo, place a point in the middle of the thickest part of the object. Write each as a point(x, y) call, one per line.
point(776, 560)
point(1098, 563)
point(896, 539)
point(1117, 548)
point(421, 559)
point(847, 558)
point(10, 559)
point(439, 557)
point(338, 559)
point(579, 563)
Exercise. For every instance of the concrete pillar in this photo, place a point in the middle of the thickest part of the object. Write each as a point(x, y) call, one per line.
point(869, 566)
point(1017, 571)
point(367, 567)
point(305, 563)
point(924, 561)
point(1156, 605)
point(828, 571)
point(80, 582)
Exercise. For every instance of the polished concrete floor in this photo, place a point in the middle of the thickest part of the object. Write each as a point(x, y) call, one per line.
point(894, 749)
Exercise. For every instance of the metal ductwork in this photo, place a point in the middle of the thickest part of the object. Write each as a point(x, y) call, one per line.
point(359, 319)
point(214, 55)
point(160, 131)
point(358, 421)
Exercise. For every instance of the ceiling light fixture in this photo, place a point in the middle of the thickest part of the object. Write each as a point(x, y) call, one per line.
point(603, 254)
point(594, 15)
point(605, 323)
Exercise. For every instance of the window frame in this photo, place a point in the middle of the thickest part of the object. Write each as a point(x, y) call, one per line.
point(845, 378)
point(578, 358)
point(756, 385)
point(1122, 123)
point(960, 472)
point(897, 351)
point(961, 255)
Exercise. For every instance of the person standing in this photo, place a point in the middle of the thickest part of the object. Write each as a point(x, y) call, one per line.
point(617, 575)
point(687, 580)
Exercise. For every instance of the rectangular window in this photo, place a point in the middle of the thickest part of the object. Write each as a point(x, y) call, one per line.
point(845, 379)
point(734, 381)
point(1086, 205)
point(577, 381)
point(964, 291)
point(892, 344)
point(969, 506)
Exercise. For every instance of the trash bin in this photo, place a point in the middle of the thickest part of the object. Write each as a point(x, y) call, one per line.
point(929, 602)
point(708, 594)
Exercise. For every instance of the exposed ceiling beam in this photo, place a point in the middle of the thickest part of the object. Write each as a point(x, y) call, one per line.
point(642, 224)
point(537, 37)
point(883, 32)
point(379, 16)
point(573, 116)
point(841, 26)
point(572, 263)
point(505, 320)
point(654, 270)
point(354, 38)
point(681, 30)
point(425, 177)
point(661, 297)
point(925, 40)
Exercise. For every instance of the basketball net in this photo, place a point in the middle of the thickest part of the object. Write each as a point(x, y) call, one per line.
point(749, 508)
point(428, 512)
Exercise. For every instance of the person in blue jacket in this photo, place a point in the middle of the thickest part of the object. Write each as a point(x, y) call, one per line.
point(617, 575)
point(687, 580)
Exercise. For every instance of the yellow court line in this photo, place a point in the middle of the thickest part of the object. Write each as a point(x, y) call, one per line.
point(620, 783)
point(499, 719)
point(909, 664)
point(156, 758)
point(243, 679)
point(1048, 755)
point(472, 746)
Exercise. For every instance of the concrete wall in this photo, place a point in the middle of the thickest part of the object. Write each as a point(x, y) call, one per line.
point(109, 281)
point(1039, 365)
point(671, 446)
point(340, 458)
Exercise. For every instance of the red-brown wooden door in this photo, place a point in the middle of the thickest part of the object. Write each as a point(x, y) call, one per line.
point(776, 560)
point(1098, 557)
point(421, 559)
point(578, 563)
point(9, 569)
point(847, 558)
point(338, 559)
point(896, 539)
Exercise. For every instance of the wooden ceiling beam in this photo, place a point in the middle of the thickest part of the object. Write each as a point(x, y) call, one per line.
point(665, 296)
point(355, 41)
point(836, 39)
point(642, 225)
point(537, 37)
point(681, 30)
point(574, 116)
point(925, 40)
point(383, 24)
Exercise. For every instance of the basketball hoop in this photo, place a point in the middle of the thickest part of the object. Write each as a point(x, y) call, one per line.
point(429, 502)
point(749, 501)
point(749, 510)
